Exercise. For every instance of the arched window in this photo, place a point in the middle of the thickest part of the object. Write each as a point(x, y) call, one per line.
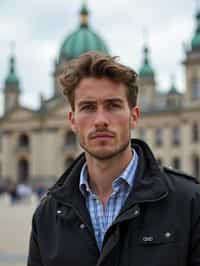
point(70, 138)
point(23, 170)
point(159, 137)
point(176, 138)
point(176, 163)
point(196, 165)
point(23, 141)
point(69, 161)
point(195, 132)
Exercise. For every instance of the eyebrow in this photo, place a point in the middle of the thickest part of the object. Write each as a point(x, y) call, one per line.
point(85, 102)
point(116, 99)
point(119, 100)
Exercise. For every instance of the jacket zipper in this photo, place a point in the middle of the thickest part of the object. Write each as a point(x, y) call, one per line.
point(107, 251)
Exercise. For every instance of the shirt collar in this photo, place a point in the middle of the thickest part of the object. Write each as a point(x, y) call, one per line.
point(128, 175)
point(84, 185)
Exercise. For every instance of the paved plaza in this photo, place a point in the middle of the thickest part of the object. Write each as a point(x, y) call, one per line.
point(15, 226)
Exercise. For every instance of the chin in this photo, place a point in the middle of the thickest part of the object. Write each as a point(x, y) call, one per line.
point(103, 154)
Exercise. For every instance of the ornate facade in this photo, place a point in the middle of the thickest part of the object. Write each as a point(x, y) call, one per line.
point(37, 145)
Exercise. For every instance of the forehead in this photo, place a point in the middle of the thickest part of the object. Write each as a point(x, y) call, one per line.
point(99, 89)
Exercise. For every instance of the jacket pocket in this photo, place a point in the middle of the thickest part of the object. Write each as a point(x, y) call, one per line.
point(158, 249)
point(161, 238)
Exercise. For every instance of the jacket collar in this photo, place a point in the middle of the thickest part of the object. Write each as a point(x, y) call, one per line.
point(150, 184)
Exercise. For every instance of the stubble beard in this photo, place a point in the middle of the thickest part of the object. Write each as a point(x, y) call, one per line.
point(108, 154)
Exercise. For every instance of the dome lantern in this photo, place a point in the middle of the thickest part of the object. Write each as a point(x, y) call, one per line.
point(84, 16)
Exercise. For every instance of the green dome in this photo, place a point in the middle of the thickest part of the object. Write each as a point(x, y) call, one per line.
point(196, 41)
point(196, 38)
point(12, 78)
point(146, 70)
point(82, 40)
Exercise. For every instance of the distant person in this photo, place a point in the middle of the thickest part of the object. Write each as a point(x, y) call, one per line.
point(2, 188)
point(40, 190)
point(24, 191)
point(114, 206)
point(12, 191)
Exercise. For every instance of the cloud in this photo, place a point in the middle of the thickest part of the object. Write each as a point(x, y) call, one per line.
point(39, 28)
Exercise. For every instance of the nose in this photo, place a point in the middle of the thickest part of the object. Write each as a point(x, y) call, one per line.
point(101, 119)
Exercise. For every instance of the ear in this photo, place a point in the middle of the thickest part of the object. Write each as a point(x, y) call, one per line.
point(72, 121)
point(135, 115)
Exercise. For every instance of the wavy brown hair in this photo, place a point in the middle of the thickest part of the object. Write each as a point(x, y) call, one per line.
point(97, 65)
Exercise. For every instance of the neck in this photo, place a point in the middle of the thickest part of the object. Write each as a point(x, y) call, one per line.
point(103, 172)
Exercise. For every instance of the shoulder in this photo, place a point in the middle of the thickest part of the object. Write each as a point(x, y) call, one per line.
point(180, 174)
point(45, 208)
point(182, 183)
point(184, 189)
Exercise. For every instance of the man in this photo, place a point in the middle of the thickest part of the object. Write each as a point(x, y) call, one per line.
point(114, 206)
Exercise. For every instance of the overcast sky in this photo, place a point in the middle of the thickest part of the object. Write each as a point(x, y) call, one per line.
point(39, 28)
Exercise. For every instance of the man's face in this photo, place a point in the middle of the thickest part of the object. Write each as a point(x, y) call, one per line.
point(102, 118)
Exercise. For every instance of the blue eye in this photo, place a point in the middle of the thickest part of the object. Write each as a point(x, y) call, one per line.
point(87, 108)
point(114, 106)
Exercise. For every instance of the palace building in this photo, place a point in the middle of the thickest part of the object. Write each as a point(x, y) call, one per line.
point(38, 145)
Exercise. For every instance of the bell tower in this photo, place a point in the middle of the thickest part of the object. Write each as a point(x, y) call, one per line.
point(147, 81)
point(192, 66)
point(11, 85)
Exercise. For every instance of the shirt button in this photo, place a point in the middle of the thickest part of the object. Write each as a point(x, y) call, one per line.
point(82, 226)
point(136, 212)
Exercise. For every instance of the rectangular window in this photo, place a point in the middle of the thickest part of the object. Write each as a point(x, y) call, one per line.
point(176, 138)
point(176, 163)
point(159, 137)
point(195, 89)
point(195, 132)
point(0, 142)
point(196, 166)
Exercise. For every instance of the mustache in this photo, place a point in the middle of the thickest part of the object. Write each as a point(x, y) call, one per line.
point(95, 133)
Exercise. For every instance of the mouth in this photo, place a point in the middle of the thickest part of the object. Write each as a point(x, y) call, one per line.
point(102, 136)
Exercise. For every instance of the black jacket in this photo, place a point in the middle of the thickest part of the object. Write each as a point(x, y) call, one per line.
point(159, 225)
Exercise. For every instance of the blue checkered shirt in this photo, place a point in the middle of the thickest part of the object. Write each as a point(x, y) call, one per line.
point(101, 217)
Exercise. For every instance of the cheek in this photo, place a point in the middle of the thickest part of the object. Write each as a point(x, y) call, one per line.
point(82, 123)
point(122, 121)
